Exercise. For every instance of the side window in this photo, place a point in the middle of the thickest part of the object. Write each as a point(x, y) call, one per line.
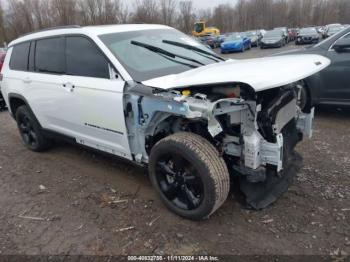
point(19, 57)
point(49, 56)
point(84, 59)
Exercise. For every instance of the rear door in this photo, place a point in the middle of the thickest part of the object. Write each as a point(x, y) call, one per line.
point(336, 77)
point(15, 73)
point(44, 91)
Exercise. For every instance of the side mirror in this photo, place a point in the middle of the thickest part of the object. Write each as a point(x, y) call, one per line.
point(342, 45)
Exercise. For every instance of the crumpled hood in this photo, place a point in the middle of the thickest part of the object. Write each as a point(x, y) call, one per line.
point(260, 73)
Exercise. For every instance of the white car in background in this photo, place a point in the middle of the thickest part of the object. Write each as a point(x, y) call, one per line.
point(154, 96)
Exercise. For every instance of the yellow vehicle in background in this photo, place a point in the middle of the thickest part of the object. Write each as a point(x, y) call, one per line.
point(200, 29)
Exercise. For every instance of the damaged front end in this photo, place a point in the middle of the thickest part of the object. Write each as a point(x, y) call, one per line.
point(255, 132)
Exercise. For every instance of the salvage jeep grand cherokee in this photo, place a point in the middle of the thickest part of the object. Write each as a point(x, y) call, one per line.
point(153, 95)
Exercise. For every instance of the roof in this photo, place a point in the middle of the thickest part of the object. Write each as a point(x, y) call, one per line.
point(92, 31)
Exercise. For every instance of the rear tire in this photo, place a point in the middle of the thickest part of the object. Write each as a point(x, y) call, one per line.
point(189, 175)
point(30, 130)
point(2, 103)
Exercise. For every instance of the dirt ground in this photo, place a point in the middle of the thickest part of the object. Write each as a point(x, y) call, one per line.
point(73, 201)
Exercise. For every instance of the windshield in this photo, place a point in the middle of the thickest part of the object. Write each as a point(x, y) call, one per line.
point(234, 37)
point(308, 31)
point(273, 34)
point(142, 63)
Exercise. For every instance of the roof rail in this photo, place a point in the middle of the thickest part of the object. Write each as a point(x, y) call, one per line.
point(53, 28)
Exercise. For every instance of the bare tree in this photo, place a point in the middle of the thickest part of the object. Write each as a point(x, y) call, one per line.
point(168, 11)
point(3, 36)
point(146, 11)
point(186, 17)
point(64, 12)
point(19, 19)
point(23, 16)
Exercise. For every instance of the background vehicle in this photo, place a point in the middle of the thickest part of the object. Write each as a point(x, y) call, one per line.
point(274, 38)
point(200, 29)
point(210, 40)
point(2, 59)
point(254, 36)
point(332, 29)
point(235, 42)
point(262, 32)
point(292, 32)
point(285, 33)
point(332, 85)
point(151, 95)
point(308, 35)
point(221, 39)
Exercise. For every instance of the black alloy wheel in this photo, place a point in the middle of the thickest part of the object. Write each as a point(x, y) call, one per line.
point(30, 130)
point(189, 175)
point(27, 131)
point(179, 181)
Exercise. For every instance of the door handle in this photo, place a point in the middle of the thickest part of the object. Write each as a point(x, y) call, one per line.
point(27, 80)
point(69, 86)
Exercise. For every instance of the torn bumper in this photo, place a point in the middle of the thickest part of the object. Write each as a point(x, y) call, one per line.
point(262, 194)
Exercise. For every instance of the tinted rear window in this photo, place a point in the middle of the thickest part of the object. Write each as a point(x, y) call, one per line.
point(84, 59)
point(19, 57)
point(49, 56)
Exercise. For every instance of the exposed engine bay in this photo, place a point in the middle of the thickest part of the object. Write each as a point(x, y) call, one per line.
point(255, 132)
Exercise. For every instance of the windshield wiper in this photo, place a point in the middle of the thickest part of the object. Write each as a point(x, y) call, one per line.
point(165, 52)
point(193, 48)
point(177, 61)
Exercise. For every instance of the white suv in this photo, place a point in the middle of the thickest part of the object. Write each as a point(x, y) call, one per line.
point(150, 94)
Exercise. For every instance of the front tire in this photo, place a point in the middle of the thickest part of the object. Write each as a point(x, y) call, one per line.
point(303, 100)
point(30, 130)
point(189, 175)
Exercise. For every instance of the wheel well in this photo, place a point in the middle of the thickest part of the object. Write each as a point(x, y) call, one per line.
point(309, 103)
point(15, 103)
point(174, 125)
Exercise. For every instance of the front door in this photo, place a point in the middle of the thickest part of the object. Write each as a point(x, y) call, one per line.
point(97, 93)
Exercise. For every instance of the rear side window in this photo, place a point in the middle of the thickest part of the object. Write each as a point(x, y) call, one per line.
point(49, 56)
point(19, 57)
point(84, 58)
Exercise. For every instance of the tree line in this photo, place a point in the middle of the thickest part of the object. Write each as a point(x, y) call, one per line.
point(18, 17)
